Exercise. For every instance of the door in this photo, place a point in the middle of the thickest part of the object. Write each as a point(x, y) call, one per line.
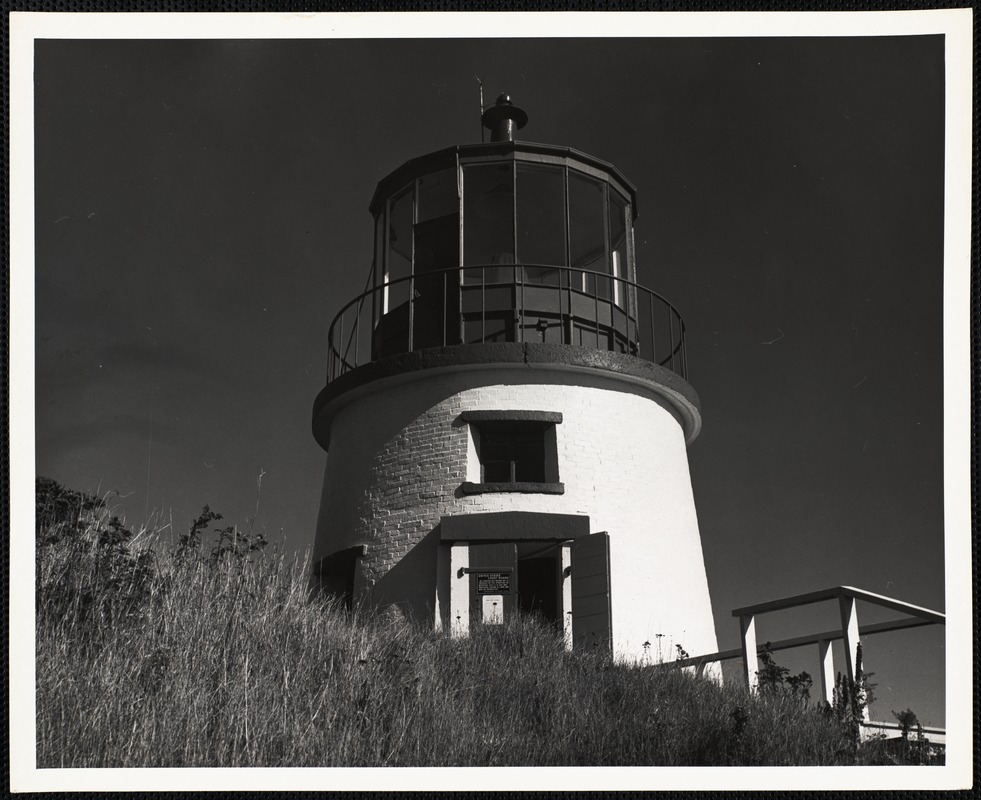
point(493, 582)
point(592, 618)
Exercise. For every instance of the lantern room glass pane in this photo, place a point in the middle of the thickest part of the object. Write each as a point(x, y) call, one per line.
point(587, 231)
point(399, 247)
point(541, 220)
point(618, 246)
point(488, 217)
point(437, 195)
point(378, 267)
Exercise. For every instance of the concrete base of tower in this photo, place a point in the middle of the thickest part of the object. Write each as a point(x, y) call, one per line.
point(466, 493)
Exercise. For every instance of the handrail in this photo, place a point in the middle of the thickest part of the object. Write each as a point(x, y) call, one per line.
point(850, 632)
point(642, 324)
point(840, 591)
point(802, 641)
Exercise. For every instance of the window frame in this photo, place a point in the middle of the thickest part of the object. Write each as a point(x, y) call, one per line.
point(515, 420)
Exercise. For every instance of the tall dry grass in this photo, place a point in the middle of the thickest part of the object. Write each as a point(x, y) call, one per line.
point(147, 659)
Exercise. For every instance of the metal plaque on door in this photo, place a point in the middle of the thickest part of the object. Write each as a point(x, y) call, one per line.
point(493, 583)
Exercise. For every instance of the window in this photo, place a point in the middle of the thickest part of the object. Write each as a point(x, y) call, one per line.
point(513, 451)
point(399, 264)
point(541, 220)
point(587, 233)
point(618, 246)
point(488, 214)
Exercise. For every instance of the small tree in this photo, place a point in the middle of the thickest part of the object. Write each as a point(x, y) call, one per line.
point(916, 750)
point(236, 546)
point(852, 697)
point(907, 721)
point(772, 678)
point(190, 542)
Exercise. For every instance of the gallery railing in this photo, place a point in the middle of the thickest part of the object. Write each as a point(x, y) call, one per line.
point(506, 303)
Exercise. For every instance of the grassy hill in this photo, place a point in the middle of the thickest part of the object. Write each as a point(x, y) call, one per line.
point(209, 652)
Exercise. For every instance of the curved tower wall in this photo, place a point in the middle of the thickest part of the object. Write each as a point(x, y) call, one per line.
point(400, 452)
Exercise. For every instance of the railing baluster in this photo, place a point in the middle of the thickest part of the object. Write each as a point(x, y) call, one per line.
point(339, 342)
point(596, 309)
point(684, 351)
point(520, 317)
point(357, 339)
point(412, 309)
point(343, 360)
point(650, 300)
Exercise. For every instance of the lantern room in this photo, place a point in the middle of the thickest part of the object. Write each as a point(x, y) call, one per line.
point(504, 241)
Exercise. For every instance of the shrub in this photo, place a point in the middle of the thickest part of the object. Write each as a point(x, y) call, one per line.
point(88, 577)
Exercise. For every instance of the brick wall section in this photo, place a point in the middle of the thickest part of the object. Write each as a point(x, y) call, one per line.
point(398, 456)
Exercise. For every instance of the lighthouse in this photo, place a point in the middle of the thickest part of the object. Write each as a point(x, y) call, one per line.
point(507, 411)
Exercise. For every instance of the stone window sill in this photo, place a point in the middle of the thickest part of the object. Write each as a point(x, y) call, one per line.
point(523, 488)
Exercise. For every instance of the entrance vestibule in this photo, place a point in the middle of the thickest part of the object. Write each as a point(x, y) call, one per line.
point(550, 566)
point(525, 576)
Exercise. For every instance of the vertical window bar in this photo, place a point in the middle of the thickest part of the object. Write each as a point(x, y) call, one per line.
point(632, 268)
point(374, 280)
point(374, 294)
point(413, 217)
point(459, 259)
point(514, 248)
point(631, 245)
point(568, 255)
point(607, 265)
point(385, 224)
point(615, 268)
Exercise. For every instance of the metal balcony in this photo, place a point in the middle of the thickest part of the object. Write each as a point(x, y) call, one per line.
point(506, 303)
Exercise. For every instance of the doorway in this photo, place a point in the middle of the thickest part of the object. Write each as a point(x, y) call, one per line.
point(540, 581)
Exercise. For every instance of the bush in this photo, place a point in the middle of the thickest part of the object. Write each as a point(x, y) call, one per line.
point(88, 577)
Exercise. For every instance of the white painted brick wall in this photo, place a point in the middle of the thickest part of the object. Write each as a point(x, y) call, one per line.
point(399, 454)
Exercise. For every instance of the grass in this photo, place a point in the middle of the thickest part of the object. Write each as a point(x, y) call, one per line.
point(189, 658)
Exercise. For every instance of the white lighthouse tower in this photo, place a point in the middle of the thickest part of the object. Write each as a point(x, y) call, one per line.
point(506, 415)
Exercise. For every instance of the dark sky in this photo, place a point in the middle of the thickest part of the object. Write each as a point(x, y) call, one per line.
point(201, 215)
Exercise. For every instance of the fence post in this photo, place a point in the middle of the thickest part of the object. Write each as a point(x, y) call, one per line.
point(826, 657)
point(849, 630)
point(747, 627)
